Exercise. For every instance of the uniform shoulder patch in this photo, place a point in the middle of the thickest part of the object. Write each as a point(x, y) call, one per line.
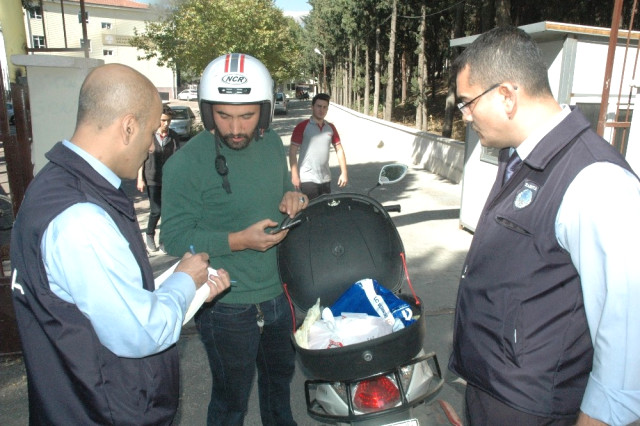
point(526, 194)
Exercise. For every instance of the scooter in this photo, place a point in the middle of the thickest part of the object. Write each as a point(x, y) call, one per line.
point(337, 240)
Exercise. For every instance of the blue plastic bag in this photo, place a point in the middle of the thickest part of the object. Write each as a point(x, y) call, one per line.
point(367, 296)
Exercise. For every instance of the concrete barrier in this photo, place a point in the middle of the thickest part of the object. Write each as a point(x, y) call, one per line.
point(438, 155)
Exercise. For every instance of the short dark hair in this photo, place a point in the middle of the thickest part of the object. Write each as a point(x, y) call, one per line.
point(505, 54)
point(322, 97)
point(166, 110)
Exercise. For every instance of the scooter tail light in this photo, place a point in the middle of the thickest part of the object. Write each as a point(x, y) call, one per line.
point(406, 373)
point(379, 393)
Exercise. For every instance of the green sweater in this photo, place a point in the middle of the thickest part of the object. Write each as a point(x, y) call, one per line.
point(196, 210)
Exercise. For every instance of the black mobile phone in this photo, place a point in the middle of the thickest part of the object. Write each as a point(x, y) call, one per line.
point(287, 223)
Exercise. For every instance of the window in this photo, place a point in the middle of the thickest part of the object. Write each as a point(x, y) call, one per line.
point(621, 134)
point(106, 25)
point(86, 17)
point(35, 13)
point(107, 52)
point(180, 114)
point(38, 42)
point(82, 44)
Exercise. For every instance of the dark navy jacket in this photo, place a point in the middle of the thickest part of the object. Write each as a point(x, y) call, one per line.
point(520, 331)
point(152, 172)
point(72, 378)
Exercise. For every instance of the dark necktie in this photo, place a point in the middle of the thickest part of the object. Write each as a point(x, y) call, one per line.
point(512, 165)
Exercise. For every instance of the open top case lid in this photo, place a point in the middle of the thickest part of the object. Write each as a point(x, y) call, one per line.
point(341, 239)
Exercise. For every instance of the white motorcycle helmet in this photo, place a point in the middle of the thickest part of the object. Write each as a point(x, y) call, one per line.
point(236, 78)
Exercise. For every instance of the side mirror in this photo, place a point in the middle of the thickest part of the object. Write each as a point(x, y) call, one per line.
point(392, 173)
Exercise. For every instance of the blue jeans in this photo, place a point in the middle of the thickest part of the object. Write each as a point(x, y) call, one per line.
point(234, 343)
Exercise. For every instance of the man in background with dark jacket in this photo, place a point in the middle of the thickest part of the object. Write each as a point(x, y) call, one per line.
point(165, 142)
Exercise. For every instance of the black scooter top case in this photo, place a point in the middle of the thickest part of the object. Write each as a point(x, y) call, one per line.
point(343, 238)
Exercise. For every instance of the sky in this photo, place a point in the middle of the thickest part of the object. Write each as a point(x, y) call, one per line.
point(293, 5)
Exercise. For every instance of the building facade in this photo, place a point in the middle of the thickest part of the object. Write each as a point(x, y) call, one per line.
point(110, 26)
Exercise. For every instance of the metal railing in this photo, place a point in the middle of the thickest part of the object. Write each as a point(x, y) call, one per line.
point(621, 123)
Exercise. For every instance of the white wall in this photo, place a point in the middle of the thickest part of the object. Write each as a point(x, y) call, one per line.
point(395, 142)
point(4, 65)
point(54, 85)
point(633, 150)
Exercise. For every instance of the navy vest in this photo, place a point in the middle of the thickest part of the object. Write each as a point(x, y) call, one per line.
point(520, 330)
point(72, 377)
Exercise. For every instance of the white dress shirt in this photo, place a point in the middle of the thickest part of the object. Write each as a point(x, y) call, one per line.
point(596, 224)
point(89, 263)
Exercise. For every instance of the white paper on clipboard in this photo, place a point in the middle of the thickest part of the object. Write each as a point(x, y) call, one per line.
point(201, 294)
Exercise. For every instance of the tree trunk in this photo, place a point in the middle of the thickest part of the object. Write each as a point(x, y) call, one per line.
point(367, 81)
point(450, 103)
point(376, 82)
point(404, 76)
point(350, 76)
point(356, 79)
point(487, 15)
point(388, 108)
point(340, 82)
point(503, 12)
point(421, 106)
point(337, 83)
point(346, 95)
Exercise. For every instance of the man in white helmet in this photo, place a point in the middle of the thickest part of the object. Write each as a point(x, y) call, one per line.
point(223, 193)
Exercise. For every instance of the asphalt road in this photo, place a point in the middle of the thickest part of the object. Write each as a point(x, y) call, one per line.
point(434, 244)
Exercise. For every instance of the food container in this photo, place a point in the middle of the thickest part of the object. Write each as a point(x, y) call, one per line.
point(341, 239)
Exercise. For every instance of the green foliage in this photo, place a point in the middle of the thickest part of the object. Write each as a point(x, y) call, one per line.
point(30, 5)
point(191, 33)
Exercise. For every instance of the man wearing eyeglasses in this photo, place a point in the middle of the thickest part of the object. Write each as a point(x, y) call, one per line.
point(546, 328)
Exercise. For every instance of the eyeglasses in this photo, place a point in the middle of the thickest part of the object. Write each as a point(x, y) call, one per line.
point(464, 106)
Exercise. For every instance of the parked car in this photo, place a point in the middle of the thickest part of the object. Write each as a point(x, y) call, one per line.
point(183, 121)
point(281, 103)
point(188, 95)
point(10, 114)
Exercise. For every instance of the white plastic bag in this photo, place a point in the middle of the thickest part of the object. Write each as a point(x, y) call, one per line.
point(302, 334)
point(347, 329)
